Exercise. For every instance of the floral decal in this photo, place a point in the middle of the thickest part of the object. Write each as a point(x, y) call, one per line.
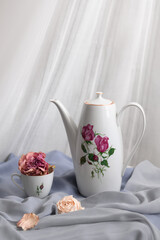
point(39, 189)
point(87, 133)
point(96, 149)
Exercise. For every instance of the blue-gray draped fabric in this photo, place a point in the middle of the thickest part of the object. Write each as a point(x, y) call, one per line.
point(133, 213)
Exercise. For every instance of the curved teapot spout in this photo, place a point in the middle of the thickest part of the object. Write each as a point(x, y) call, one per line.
point(70, 126)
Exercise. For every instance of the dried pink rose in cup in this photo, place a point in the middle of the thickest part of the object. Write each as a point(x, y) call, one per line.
point(29, 220)
point(34, 164)
point(68, 204)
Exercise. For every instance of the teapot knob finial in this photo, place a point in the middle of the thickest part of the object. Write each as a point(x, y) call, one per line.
point(99, 94)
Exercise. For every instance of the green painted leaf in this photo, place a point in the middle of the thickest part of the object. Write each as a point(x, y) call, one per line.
point(83, 148)
point(83, 160)
point(89, 142)
point(111, 151)
point(92, 174)
point(96, 134)
point(90, 156)
point(105, 163)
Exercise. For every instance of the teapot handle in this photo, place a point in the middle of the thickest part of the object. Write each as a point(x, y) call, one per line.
point(133, 104)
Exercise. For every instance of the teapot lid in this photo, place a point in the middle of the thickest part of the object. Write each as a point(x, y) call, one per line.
point(99, 100)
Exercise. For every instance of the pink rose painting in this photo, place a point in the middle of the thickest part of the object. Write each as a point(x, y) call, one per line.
point(87, 132)
point(99, 143)
point(102, 143)
point(39, 189)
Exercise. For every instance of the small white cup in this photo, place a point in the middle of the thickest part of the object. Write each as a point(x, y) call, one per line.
point(38, 186)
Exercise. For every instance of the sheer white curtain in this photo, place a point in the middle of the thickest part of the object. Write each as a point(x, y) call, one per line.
point(69, 50)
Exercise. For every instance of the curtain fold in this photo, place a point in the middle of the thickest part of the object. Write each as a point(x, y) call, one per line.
point(69, 50)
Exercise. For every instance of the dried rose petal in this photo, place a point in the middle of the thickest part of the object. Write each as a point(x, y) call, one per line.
point(29, 220)
point(68, 204)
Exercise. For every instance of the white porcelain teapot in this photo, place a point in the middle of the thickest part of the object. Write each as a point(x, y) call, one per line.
point(96, 145)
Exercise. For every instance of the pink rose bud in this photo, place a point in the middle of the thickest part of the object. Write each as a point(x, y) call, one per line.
point(95, 158)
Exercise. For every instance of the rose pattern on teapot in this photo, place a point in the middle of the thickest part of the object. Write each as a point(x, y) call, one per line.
point(97, 151)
